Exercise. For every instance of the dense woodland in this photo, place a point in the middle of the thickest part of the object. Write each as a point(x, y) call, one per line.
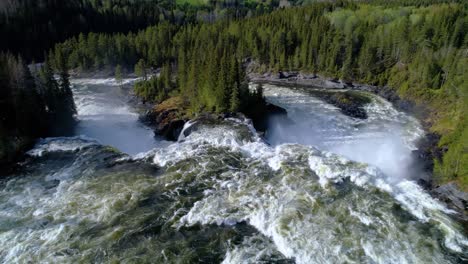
point(30, 104)
point(46, 22)
point(419, 51)
point(200, 49)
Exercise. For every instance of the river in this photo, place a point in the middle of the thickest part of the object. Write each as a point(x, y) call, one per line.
point(320, 188)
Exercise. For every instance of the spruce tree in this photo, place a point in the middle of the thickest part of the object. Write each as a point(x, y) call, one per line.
point(140, 69)
point(234, 100)
point(118, 74)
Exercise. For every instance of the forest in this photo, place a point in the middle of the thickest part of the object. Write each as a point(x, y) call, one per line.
point(234, 131)
point(200, 50)
point(421, 52)
point(46, 22)
point(31, 104)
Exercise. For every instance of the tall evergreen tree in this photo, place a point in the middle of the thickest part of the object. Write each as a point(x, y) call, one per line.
point(140, 69)
point(118, 74)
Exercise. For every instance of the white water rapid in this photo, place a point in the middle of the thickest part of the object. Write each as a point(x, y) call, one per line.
point(104, 114)
point(322, 188)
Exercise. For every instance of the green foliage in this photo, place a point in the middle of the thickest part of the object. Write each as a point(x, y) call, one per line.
point(30, 106)
point(118, 73)
point(140, 69)
point(420, 51)
point(157, 88)
point(23, 22)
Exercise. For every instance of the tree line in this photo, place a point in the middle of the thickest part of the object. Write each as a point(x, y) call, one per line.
point(419, 51)
point(32, 105)
point(34, 26)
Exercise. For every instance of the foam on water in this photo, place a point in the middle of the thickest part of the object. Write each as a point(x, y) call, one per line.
point(105, 114)
point(61, 144)
point(254, 249)
point(288, 207)
point(103, 81)
point(385, 139)
point(221, 193)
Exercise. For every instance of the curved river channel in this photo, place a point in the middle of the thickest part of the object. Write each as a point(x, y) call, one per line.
point(320, 187)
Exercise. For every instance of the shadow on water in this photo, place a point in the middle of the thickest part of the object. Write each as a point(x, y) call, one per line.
point(104, 113)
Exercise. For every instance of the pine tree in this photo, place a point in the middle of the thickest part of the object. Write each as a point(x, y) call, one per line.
point(118, 74)
point(234, 100)
point(140, 69)
point(50, 88)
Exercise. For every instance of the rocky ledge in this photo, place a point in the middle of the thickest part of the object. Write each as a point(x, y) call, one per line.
point(298, 79)
point(455, 199)
point(349, 102)
point(169, 117)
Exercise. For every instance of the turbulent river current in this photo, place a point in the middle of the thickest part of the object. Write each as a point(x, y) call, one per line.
point(320, 187)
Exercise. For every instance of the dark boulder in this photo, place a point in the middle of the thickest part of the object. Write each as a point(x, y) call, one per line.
point(262, 115)
point(167, 118)
point(427, 151)
point(350, 103)
point(391, 95)
point(275, 110)
point(455, 199)
point(281, 75)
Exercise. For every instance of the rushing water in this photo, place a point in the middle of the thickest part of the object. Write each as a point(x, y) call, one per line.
point(385, 139)
point(105, 115)
point(222, 194)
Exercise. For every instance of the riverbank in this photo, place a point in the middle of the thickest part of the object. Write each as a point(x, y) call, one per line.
point(168, 118)
point(11, 151)
point(429, 151)
point(298, 79)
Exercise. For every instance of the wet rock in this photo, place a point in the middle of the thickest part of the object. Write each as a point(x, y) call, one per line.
point(425, 184)
point(388, 94)
point(455, 199)
point(427, 151)
point(172, 129)
point(167, 118)
point(261, 116)
point(281, 75)
point(350, 103)
point(167, 124)
point(204, 119)
point(306, 76)
point(275, 110)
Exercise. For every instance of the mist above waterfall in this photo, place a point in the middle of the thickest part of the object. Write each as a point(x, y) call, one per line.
point(104, 114)
point(222, 194)
point(385, 139)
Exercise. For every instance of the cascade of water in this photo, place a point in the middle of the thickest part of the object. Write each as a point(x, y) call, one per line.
point(221, 194)
point(104, 114)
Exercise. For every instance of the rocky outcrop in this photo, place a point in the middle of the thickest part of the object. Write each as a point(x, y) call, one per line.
point(455, 199)
point(262, 115)
point(298, 79)
point(350, 104)
point(12, 150)
point(167, 118)
point(427, 151)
